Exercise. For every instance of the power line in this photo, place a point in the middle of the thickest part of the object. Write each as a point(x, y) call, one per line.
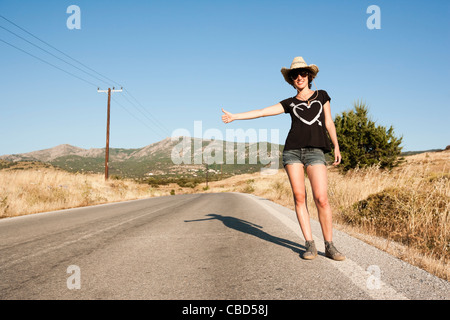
point(145, 109)
point(48, 44)
point(153, 119)
point(138, 119)
point(68, 72)
point(50, 64)
point(35, 45)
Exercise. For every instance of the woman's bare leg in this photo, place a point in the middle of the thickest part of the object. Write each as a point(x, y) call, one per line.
point(317, 175)
point(296, 176)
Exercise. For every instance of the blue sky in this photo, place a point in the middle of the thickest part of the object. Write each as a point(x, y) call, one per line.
point(185, 60)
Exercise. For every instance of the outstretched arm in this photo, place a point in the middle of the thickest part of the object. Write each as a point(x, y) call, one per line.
point(228, 117)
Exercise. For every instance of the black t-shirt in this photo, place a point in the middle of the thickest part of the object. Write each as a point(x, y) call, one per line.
point(308, 122)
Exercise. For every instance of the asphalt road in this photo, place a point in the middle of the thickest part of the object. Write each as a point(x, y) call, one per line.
point(201, 246)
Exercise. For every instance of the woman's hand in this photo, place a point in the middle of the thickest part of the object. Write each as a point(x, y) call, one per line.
point(337, 156)
point(227, 117)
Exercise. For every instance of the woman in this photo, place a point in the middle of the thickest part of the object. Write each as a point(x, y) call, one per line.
point(304, 149)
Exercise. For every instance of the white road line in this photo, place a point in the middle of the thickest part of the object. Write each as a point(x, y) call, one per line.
point(360, 277)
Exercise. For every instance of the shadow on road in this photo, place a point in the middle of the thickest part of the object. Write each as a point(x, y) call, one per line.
point(252, 229)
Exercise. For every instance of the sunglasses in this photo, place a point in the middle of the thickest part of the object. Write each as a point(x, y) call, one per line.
point(296, 72)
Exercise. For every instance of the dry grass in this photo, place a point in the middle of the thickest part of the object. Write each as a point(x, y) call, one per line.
point(404, 211)
point(30, 191)
point(408, 207)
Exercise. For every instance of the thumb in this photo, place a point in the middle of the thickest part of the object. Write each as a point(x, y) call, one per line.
point(226, 112)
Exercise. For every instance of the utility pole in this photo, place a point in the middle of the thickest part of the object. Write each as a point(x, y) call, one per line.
point(107, 127)
point(206, 176)
point(206, 171)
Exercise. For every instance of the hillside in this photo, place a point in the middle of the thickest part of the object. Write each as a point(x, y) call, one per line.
point(154, 160)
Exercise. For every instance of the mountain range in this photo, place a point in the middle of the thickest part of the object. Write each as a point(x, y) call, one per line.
point(161, 158)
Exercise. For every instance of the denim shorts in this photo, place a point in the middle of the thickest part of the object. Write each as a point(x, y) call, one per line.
point(305, 156)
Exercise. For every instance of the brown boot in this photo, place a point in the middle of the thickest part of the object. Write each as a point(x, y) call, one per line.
point(311, 251)
point(332, 253)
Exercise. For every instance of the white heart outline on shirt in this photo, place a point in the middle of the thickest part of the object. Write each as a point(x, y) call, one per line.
point(294, 106)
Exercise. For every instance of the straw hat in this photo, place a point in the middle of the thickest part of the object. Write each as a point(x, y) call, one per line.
point(299, 63)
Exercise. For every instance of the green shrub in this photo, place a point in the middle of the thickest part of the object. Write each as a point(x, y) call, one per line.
point(362, 143)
